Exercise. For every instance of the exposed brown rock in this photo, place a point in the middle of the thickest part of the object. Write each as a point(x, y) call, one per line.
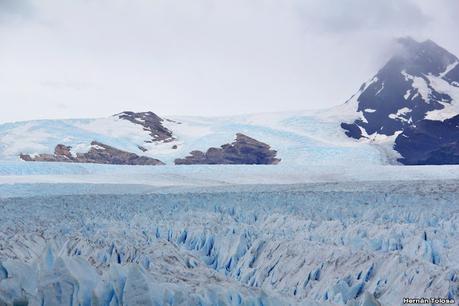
point(151, 123)
point(244, 150)
point(98, 154)
point(25, 157)
point(63, 150)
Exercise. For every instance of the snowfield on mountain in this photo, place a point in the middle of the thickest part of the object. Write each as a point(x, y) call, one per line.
point(406, 113)
point(298, 138)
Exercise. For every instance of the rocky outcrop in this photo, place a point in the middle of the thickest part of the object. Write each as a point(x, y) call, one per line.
point(244, 150)
point(151, 123)
point(430, 142)
point(99, 153)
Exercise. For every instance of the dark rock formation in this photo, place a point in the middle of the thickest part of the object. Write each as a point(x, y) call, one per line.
point(393, 101)
point(430, 143)
point(244, 150)
point(61, 154)
point(98, 154)
point(62, 150)
point(151, 123)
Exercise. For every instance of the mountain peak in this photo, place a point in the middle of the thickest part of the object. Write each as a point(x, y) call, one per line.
point(405, 90)
point(410, 42)
point(420, 58)
point(407, 42)
point(420, 82)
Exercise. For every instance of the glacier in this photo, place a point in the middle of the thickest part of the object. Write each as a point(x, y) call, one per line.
point(364, 242)
point(12, 172)
point(307, 137)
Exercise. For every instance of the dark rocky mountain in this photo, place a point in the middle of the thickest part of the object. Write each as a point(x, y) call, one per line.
point(401, 92)
point(430, 143)
point(244, 150)
point(99, 153)
point(151, 123)
point(398, 100)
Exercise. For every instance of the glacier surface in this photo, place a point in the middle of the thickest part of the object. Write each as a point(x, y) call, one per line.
point(337, 243)
point(300, 138)
point(215, 175)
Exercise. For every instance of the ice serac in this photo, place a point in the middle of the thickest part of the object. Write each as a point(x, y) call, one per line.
point(151, 123)
point(365, 243)
point(420, 82)
point(244, 150)
point(98, 153)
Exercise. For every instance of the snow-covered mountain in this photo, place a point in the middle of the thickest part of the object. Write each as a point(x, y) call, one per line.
point(297, 138)
point(406, 113)
point(412, 101)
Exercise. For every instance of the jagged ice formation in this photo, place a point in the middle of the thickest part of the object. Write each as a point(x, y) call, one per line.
point(317, 244)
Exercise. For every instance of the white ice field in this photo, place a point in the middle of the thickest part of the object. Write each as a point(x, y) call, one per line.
point(308, 137)
point(227, 235)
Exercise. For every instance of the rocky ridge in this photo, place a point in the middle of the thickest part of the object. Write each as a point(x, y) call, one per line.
point(244, 150)
point(151, 123)
point(99, 153)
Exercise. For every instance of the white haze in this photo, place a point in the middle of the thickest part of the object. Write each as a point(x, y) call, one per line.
point(89, 58)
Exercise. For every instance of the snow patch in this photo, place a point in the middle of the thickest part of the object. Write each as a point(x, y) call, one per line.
point(448, 69)
point(450, 109)
point(97, 147)
point(381, 89)
point(80, 148)
point(401, 112)
point(407, 94)
point(420, 84)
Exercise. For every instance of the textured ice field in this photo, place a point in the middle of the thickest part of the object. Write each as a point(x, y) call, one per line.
point(339, 243)
point(215, 175)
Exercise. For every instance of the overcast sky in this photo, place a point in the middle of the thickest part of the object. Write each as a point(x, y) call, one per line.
point(91, 58)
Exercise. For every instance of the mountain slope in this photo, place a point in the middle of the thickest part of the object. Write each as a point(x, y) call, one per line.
point(390, 116)
point(419, 83)
point(299, 138)
point(430, 142)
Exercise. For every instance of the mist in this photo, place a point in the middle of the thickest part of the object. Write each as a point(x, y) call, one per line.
point(81, 58)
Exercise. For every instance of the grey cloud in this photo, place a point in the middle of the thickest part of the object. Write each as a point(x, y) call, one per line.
point(362, 15)
point(202, 57)
point(10, 9)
